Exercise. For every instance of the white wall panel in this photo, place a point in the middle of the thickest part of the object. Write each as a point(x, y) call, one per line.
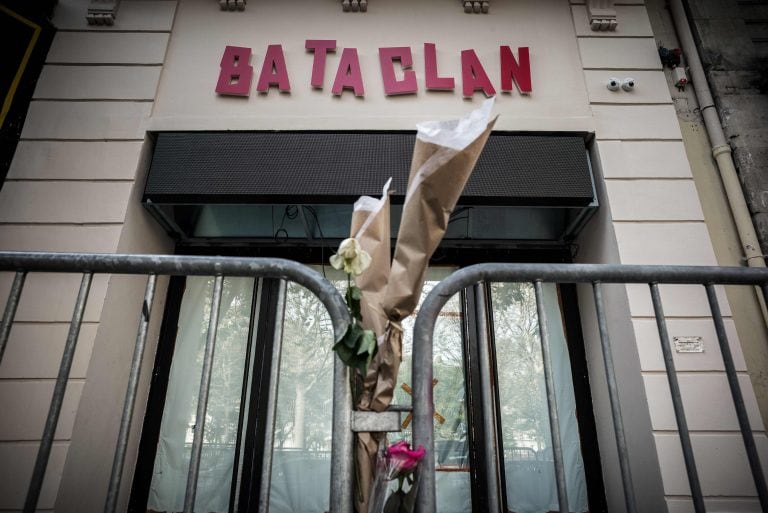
point(715, 505)
point(57, 237)
point(75, 160)
point(654, 200)
point(664, 244)
point(643, 159)
point(107, 48)
point(49, 297)
point(97, 82)
point(25, 408)
point(34, 350)
point(619, 53)
point(677, 300)
point(14, 479)
point(720, 459)
point(85, 120)
point(636, 122)
point(649, 346)
point(707, 402)
point(64, 202)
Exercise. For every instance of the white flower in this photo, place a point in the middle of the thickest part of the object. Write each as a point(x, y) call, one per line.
point(351, 258)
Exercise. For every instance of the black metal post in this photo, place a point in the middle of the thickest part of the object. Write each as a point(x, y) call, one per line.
point(46, 442)
point(130, 397)
point(738, 399)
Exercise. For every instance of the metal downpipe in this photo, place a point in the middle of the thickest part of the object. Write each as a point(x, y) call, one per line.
point(721, 151)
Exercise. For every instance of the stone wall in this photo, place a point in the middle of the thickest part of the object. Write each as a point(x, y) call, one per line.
point(733, 41)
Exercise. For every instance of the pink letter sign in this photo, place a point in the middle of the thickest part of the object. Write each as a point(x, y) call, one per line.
point(273, 71)
point(511, 69)
point(432, 80)
point(320, 47)
point(236, 74)
point(348, 75)
point(392, 85)
point(473, 75)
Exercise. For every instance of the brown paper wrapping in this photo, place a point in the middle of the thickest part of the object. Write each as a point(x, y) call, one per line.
point(428, 206)
point(435, 183)
point(370, 226)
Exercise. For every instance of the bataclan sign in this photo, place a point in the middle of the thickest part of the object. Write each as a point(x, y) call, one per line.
point(236, 73)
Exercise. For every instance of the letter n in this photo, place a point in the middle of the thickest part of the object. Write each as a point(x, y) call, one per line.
point(519, 70)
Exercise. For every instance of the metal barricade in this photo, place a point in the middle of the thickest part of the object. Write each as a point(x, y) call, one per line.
point(595, 275)
point(342, 473)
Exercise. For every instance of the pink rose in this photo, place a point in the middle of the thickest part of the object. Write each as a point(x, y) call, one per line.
point(402, 459)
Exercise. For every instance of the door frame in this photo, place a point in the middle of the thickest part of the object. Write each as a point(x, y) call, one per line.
point(318, 255)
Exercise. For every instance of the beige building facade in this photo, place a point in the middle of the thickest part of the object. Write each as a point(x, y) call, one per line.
point(77, 181)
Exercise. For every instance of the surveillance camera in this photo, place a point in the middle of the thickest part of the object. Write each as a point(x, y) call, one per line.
point(628, 84)
point(613, 84)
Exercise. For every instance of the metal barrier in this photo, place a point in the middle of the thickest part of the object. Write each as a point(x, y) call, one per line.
point(153, 265)
point(342, 473)
point(596, 275)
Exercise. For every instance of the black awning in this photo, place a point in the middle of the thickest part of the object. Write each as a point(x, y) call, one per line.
point(338, 167)
point(298, 187)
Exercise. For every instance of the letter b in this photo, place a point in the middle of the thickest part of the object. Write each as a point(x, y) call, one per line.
point(236, 74)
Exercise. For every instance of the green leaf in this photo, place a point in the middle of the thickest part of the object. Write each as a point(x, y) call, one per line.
point(353, 297)
point(345, 353)
point(352, 336)
point(367, 342)
point(357, 347)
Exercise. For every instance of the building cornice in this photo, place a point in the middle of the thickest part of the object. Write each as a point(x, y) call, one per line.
point(602, 15)
point(102, 12)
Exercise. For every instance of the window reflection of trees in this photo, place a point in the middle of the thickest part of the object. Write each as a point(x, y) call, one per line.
point(305, 397)
point(449, 394)
point(221, 420)
point(522, 392)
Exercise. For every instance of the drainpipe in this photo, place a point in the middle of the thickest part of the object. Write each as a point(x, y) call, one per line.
point(721, 150)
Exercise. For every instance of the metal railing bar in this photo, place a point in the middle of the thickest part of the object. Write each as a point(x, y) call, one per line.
point(738, 399)
point(554, 418)
point(280, 268)
point(271, 412)
point(118, 462)
point(424, 325)
point(342, 442)
point(46, 441)
point(613, 395)
point(202, 398)
point(677, 402)
point(182, 265)
point(490, 448)
point(10, 310)
point(423, 401)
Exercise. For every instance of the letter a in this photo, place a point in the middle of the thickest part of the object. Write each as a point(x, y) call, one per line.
point(348, 74)
point(473, 75)
point(273, 71)
point(236, 74)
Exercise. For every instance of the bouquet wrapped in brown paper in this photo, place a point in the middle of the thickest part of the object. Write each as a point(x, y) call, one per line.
point(443, 159)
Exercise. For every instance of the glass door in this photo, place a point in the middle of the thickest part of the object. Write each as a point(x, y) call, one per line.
point(523, 418)
point(266, 332)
